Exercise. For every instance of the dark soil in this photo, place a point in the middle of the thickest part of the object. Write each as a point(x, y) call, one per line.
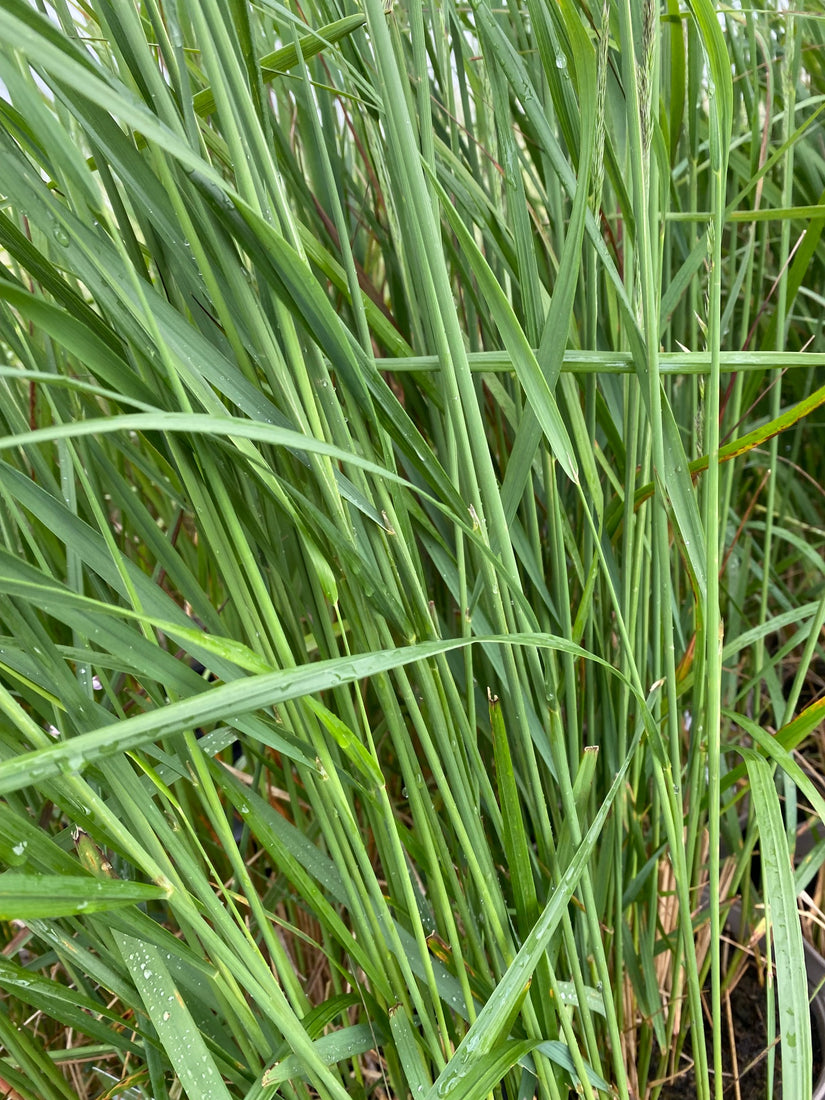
point(748, 1014)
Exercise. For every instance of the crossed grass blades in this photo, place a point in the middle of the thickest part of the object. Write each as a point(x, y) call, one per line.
point(412, 519)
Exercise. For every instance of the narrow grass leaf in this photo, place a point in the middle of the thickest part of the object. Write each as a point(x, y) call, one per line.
point(515, 839)
point(349, 743)
point(346, 1042)
point(178, 1034)
point(783, 921)
point(560, 1054)
point(779, 748)
point(239, 698)
point(285, 58)
point(408, 1049)
point(25, 897)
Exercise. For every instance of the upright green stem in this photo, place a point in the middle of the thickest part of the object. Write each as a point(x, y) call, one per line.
point(720, 110)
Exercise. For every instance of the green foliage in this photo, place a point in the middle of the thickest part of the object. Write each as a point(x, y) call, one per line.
point(412, 528)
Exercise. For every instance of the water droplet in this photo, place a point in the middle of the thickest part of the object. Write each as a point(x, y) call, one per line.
point(561, 61)
point(61, 236)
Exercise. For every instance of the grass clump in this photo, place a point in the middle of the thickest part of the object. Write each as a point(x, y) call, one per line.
point(412, 541)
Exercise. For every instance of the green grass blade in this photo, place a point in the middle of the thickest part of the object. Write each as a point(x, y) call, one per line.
point(26, 897)
point(783, 923)
point(181, 1039)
